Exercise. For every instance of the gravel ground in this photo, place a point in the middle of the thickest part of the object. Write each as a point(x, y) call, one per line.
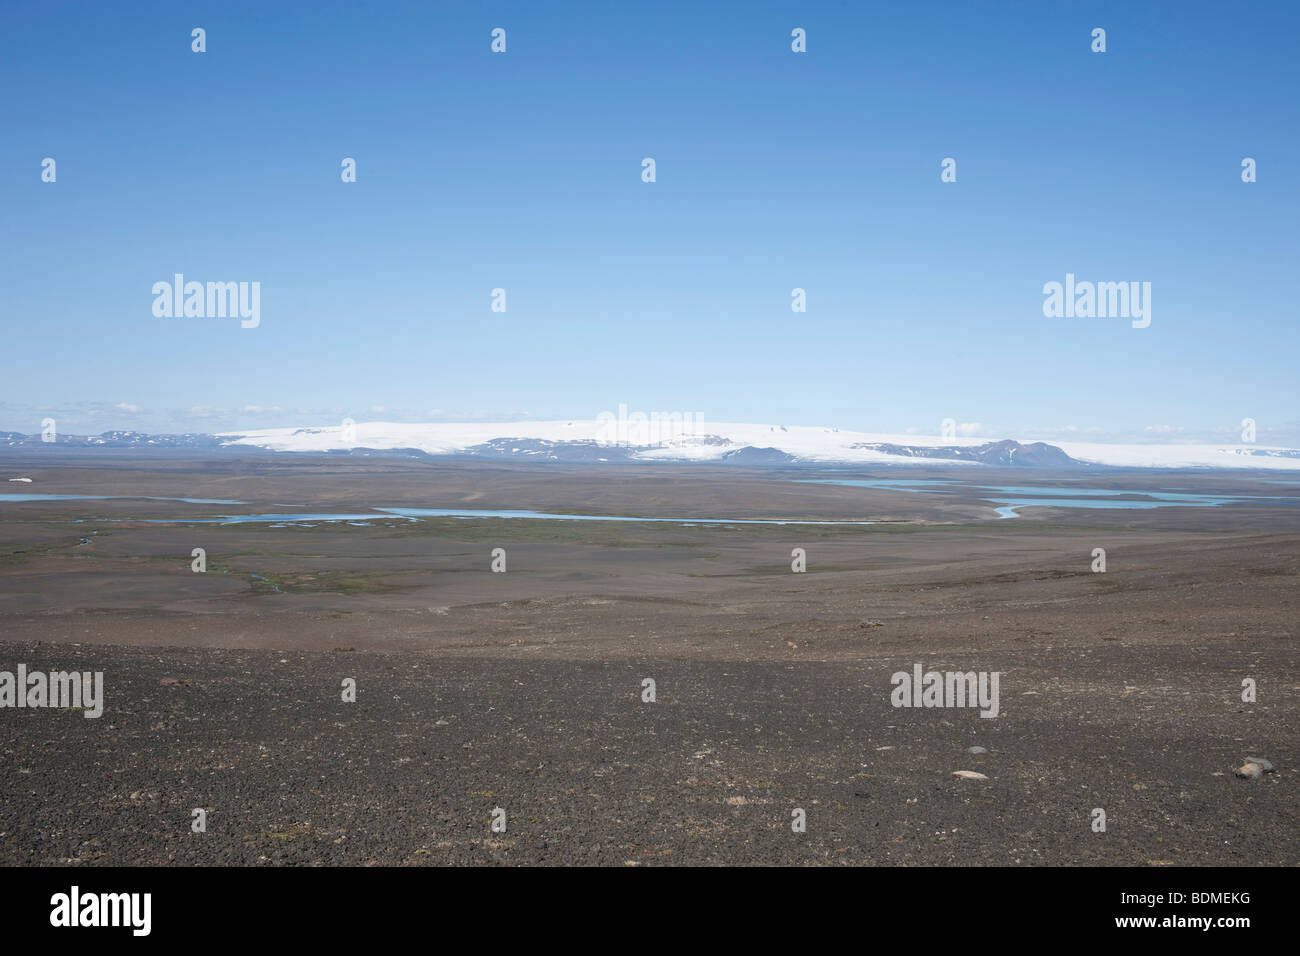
point(587, 772)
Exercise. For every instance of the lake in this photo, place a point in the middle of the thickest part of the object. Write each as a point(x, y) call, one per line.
point(410, 514)
point(1009, 498)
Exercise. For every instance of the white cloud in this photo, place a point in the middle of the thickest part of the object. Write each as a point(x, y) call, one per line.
point(206, 412)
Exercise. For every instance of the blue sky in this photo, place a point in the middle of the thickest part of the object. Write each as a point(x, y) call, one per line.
point(775, 170)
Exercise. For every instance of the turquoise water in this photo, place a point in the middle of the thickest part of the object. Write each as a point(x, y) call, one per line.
point(412, 514)
point(1099, 498)
point(1088, 493)
point(1009, 505)
point(1007, 498)
point(457, 513)
point(270, 518)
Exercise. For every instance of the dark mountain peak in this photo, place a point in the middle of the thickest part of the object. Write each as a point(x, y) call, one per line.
point(1005, 452)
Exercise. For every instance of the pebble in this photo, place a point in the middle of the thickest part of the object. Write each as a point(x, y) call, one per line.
point(1250, 771)
point(969, 775)
point(976, 750)
point(1263, 764)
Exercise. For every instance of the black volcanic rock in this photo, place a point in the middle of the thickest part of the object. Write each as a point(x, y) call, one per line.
point(1007, 452)
point(1271, 453)
point(1036, 454)
point(363, 452)
point(573, 452)
point(749, 455)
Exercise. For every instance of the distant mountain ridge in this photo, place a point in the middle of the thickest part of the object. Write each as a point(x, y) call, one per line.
point(1006, 452)
point(584, 442)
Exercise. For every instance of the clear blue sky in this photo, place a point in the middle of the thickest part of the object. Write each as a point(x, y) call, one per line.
point(775, 170)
